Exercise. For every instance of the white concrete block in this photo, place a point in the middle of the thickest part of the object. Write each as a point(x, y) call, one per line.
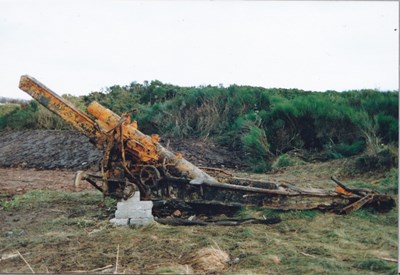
point(133, 211)
point(133, 214)
point(119, 221)
point(135, 205)
point(140, 221)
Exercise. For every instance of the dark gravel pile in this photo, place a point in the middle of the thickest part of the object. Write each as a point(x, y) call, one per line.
point(205, 153)
point(47, 149)
point(50, 149)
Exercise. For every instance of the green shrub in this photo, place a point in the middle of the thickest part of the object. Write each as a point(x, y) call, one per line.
point(371, 162)
point(284, 161)
point(245, 136)
point(347, 150)
point(388, 127)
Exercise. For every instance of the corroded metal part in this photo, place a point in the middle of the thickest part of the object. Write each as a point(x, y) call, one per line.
point(59, 106)
point(144, 148)
point(141, 146)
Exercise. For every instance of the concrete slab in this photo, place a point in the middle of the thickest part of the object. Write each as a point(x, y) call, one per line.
point(133, 211)
point(119, 221)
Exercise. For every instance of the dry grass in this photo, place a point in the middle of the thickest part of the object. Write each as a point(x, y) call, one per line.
point(209, 260)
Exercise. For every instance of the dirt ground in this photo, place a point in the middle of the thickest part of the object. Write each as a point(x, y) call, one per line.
point(58, 230)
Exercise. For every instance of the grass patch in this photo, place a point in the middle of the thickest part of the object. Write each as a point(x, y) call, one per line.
point(286, 160)
point(47, 198)
point(65, 231)
point(304, 214)
point(375, 265)
point(390, 183)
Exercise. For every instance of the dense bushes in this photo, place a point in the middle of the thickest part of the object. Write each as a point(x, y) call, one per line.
point(31, 116)
point(255, 122)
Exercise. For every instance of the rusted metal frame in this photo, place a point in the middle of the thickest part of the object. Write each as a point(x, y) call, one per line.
point(106, 155)
point(357, 205)
point(258, 181)
point(89, 178)
point(272, 191)
point(142, 147)
point(92, 182)
point(359, 191)
point(260, 190)
point(58, 105)
point(135, 181)
point(110, 139)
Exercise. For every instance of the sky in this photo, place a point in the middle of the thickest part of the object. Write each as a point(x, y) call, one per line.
point(76, 47)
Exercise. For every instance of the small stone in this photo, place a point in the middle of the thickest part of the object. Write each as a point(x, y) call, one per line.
point(177, 213)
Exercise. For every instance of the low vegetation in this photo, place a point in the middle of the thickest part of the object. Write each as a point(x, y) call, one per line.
point(62, 232)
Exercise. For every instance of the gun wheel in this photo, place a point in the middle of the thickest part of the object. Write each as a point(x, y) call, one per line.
point(149, 176)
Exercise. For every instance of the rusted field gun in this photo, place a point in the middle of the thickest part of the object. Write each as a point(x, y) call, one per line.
point(135, 161)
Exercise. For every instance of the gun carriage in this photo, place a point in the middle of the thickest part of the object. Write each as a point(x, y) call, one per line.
point(135, 161)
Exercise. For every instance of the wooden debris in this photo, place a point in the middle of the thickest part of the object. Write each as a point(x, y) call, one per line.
point(231, 222)
point(308, 255)
point(116, 261)
point(100, 268)
point(26, 262)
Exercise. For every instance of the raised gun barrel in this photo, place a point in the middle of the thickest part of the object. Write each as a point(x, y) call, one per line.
point(58, 105)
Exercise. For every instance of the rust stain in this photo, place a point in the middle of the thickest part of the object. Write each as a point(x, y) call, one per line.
point(143, 147)
point(58, 105)
point(341, 190)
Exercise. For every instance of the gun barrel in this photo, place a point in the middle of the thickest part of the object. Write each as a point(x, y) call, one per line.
point(58, 105)
point(144, 147)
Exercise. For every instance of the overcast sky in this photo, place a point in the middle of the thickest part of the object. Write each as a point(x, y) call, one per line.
point(81, 46)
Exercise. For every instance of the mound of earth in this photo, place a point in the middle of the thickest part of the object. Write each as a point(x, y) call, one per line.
point(205, 153)
point(51, 149)
point(47, 149)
